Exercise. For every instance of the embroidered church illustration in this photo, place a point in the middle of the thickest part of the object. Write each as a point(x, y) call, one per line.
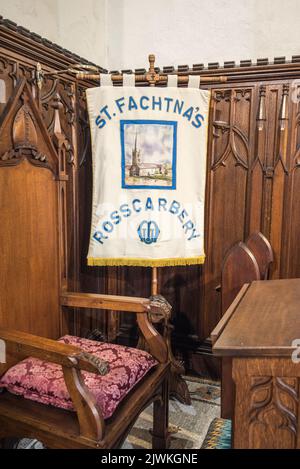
point(137, 168)
point(148, 154)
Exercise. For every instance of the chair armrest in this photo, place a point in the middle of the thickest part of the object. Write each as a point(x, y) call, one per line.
point(110, 302)
point(23, 345)
point(144, 308)
point(73, 360)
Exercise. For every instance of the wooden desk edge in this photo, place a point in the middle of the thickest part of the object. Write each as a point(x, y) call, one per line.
point(226, 317)
point(251, 352)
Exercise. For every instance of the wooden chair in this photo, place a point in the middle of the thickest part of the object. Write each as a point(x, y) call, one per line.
point(35, 193)
point(85, 428)
point(263, 253)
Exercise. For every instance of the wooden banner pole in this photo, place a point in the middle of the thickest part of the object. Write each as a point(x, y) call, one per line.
point(152, 81)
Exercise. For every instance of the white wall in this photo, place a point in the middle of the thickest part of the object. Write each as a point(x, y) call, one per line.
point(201, 31)
point(121, 33)
point(76, 25)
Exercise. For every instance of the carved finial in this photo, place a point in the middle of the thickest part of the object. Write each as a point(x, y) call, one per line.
point(262, 90)
point(39, 75)
point(286, 88)
point(152, 77)
point(261, 115)
point(284, 107)
point(151, 63)
point(24, 131)
point(57, 105)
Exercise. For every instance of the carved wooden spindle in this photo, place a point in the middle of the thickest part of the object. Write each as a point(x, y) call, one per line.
point(255, 176)
point(279, 178)
point(261, 114)
point(61, 144)
point(283, 125)
point(284, 106)
point(261, 142)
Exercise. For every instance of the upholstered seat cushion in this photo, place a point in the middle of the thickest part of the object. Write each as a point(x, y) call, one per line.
point(43, 381)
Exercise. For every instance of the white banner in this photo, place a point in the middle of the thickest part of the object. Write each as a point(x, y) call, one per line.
point(149, 150)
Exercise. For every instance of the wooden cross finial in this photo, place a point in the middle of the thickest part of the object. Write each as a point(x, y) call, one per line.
point(152, 77)
point(151, 59)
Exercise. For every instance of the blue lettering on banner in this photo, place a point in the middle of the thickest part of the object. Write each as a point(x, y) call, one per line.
point(178, 106)
point(162, 203)
point(149, 204)
point(120, 104)
point(148, 231)
point(174, 207)
point(132, 104)
point(136, 206)
point(156, 103)
point(142, 103)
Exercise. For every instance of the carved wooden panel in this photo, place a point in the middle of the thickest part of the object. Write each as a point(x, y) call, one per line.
point(29, 274)
point(274, 407)
point(267, 403)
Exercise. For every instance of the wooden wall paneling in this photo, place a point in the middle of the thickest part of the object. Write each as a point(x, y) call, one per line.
point(131, 279)
point(229, 161)
point(271, 148)
point(91, 279)
point(269, 170)
point(182, 286)
point(256, 173)
point(59, 96)
point(291, 223)
point(280, 175)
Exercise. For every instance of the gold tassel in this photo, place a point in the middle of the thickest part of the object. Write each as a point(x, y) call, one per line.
point(102, 261)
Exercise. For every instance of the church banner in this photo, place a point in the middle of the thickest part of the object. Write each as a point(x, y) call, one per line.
point(149, 149)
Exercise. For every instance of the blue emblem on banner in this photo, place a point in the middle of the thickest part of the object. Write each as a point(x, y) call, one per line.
point(148, 232)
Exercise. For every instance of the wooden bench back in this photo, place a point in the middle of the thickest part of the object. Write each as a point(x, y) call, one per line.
point(239, 267)
point(263, 253)
point(30, 220)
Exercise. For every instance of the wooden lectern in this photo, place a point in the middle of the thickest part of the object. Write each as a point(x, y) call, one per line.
point(259, 332)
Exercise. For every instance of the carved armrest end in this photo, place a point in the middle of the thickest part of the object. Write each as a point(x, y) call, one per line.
point(159, 309)
point(101, 365)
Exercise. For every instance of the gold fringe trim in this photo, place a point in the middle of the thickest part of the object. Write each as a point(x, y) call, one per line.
point(131, 261)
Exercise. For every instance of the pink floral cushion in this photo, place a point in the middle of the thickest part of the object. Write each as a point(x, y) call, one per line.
point(43, 382)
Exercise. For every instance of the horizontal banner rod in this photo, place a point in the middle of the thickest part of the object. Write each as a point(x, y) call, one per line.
point(156, 79)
